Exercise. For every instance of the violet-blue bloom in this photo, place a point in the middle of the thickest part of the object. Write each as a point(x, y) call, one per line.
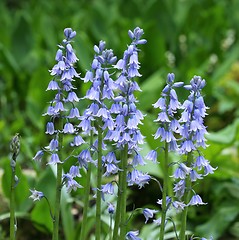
point(138, 178)
point(132, 235)
point(111, 168)
point(59, 107)
point(108, 188)
point(138, 160)
point(180, 188)
point(193, 129)
point(194, 176)
point(128, 116)
point(84, 158)
point(69, 33)
point(152, 155)
point(78, 140)
point(149, 213)
point(74, 171)
point(111, 208)
point(168, 104)
point(211, 238)
point(208, 169)
point(38, 155)
point(196, 200)
point(36, 195)
point(63, 73)
point(182, 171)
point(70, 183)
point(50, 128)
point(179, 206)
point(144, 179)
point(53, 145)
point(53, 85)
point(110, 163)
point(126, 131)
point(68, 128)
point(54, 159)
point(168, 201)
point(200, 162)
point(158, 221)
point(102, 88)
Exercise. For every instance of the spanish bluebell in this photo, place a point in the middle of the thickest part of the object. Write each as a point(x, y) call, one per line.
point(196, 200)
point(148, 213)
point(192, 128)
point(102, 87)
point(169, 105)
point(38, 155)
point(63, 104)
point(111, 208)
point(70, 182)
point(36, 195)
point(132, 235)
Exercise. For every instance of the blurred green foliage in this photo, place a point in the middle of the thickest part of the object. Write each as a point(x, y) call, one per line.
point(187, 37)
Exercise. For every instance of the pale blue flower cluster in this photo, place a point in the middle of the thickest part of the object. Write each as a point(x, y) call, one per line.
point(128, 117)
point(63, 77)
point(113, 110)
point(192, 131)
point(98, 113)
point(69, 181)
point(169, 105)
point(62, 107)
point(114, 104)
point(181, 126)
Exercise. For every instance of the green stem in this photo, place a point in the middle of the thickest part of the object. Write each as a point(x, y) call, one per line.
point(86, 196)
point(12, 206)
point(186, 199)
point(99, 180)
point(57, 202)
point(56, 220)
point(124, 160)
point(174, 227)
point(50, 209)
point(118, 207)
point(15, 148)
point(110, 228)
point(165, 192)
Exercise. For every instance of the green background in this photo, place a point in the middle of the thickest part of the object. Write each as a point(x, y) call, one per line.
point(187, 37)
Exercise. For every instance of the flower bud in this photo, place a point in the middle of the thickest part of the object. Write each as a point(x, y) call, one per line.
point(15, 145)
point(111, 208)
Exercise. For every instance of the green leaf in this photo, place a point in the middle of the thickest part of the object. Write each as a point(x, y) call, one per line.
point(22, 38)
point(151, 90)
point(41, 217)
point(6, 216)
point(90, 226)
point(37, 97)
point(66, 214)
point(226, 135)
point(8, 58)
point(41, 212)
point(21, 188)
point(229, 189)
point(148, 128)
point(234, 230)
point(230, 58)
point(84, 50)
point(219, 221)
